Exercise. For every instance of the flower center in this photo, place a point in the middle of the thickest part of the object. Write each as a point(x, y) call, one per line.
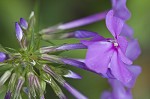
point(115, 44)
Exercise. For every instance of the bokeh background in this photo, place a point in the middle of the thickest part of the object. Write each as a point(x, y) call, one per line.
point(52, 12)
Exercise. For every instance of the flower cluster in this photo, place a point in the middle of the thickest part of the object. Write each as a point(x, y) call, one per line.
point(29, 69)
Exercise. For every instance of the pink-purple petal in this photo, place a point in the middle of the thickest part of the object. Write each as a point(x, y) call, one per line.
point(114, 24)
point(98, 56)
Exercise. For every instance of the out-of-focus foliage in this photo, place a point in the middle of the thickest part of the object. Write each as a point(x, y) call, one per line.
point(52, 12)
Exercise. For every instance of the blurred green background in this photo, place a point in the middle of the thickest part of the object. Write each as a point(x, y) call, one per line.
point(52, 12)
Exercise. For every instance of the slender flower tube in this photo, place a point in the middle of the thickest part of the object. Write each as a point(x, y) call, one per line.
point(3, 57)
point(73, 91)
point(62, 48)
point(23, 23)
point(76, 23)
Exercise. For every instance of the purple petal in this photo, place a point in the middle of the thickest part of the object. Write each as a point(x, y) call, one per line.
point(114, 24)
point(98, 56)
point(135, 70)
point(127, 31)
point(124, 58)
point(19, 32)
point(23, 23)
point(123, 43)
point(3, 57)
point(74, 92)
point(73, 75)
point(133, 50)
point(8, 95)
point(120, 9)
point(119, 69)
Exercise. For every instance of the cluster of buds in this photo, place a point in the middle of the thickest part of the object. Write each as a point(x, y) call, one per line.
point(32, 67)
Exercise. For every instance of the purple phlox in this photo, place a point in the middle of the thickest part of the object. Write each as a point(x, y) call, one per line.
point(105, 55)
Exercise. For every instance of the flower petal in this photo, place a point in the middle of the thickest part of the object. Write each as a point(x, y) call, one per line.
point(133, 50)
point(113, 23)
point(119, 69)
point(98, 56)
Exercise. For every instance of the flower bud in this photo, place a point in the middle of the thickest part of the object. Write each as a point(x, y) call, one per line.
point(4, 77)
point(19, 86)
point(3, 57)
point(23, 23)
point(19, 32)
point(12, 82)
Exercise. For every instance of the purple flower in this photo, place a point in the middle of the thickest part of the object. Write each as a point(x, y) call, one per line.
point(23, 23)
point(105, 55)
point(118, 92)
point(8, 95)
point(19, 32)
point(3, 57)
